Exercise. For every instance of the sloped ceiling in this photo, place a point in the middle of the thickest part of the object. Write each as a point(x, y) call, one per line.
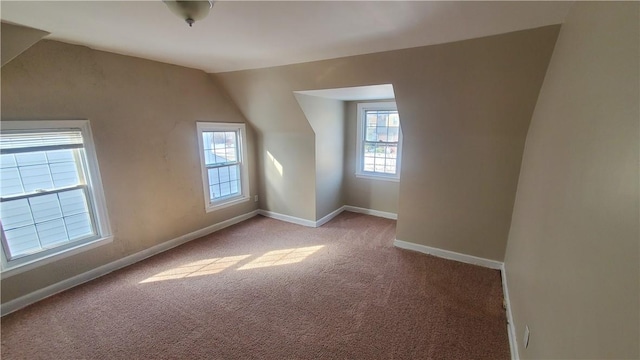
point(255, 34)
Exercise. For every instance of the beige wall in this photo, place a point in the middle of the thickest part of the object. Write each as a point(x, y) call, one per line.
point(286, 147)
point(16, 39)
point(572, 257)
point(143, 115)
point(365, 193)
point(465, 109)
point(326, 117)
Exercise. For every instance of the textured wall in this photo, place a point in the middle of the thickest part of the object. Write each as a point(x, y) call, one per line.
point(143, 115)
point(465, 110)
point(572, 258)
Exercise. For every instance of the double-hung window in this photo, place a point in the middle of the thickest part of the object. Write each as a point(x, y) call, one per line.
point(379, 145)
point(51, 198)
point(223, 150)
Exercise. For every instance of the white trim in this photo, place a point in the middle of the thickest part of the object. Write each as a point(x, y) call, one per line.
point(364, 175)
point(329, 216)
point(245, 192)
point(287, 218)
point(95, 199)
point(511, 329)
point(360, 137)
point(57, 256)
point(451, 255)
point(50, 290)
point(382, 214)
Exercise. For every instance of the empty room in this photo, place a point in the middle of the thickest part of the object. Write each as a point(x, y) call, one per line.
point(320, 180)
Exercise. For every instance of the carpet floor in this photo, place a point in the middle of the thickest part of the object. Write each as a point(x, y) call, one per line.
point(265, 289)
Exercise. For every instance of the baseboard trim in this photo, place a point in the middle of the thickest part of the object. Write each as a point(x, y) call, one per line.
point(330, 216)
point(450, 255)
point(382, 214)
point(41, 294)
point(287, 218)
point(511, 330)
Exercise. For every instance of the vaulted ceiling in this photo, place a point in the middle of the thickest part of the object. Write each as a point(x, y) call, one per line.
point(254, 34)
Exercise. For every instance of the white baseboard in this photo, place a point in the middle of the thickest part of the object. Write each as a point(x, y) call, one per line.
point(511, 329)
point(287, 218)
point(19, 303)
point(329, 216)
point(382, 214)
point(451, 255)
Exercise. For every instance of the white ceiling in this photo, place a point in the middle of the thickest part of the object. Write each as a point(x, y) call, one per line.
point(253, 34)
point(356, 93)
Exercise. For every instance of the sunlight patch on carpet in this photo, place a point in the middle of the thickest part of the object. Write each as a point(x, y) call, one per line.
point(197, 268)
point(281, 257)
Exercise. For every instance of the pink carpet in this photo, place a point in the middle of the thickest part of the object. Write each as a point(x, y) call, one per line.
point(265, 289)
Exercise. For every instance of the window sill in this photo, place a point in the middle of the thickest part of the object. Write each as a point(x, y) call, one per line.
point(377, 177)
point(227, 203)
point(14, 269)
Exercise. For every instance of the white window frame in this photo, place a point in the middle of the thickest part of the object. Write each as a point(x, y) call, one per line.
point(361, 123)
point(96, 200)
point(241, 132)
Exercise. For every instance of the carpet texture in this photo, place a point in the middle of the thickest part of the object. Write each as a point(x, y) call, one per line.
point(266, 289)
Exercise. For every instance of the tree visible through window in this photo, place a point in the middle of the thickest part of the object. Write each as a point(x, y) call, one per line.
point(379, 140)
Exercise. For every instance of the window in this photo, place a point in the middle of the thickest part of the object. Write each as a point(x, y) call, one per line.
point(379, 141)
point(51, 198)
point(225, 177)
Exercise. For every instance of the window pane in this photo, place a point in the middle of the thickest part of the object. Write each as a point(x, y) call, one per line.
point(73, 202)
point(22, 240)
point(64, 174)
point(231, 146)
point(394, 119)
point(381, 133)
point(52, 233)
point(225, 189)
point(234, 172)
point(219, 140)
point(79, 226)
point(7, 160)
point(214, 191)
point(15, 213)
point(224, 174)
point(235, 187)
point(56, 156)
point(371, 134)
point(36, 177)
point(393, 134)
point(34, 158)
point(383, 118)
point(371, 118)
point(10, 183)
point(45, 208)
point(392, 151)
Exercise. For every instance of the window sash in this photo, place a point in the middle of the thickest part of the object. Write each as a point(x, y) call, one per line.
point(377, 123)
point(56, 247)
point(216, 181)
point(24, 142)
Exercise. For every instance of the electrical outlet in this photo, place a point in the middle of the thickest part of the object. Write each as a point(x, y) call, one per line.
point(255, 198)
point(527, 334)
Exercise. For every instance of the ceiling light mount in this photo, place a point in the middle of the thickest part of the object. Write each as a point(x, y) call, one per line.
point(190, 10)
